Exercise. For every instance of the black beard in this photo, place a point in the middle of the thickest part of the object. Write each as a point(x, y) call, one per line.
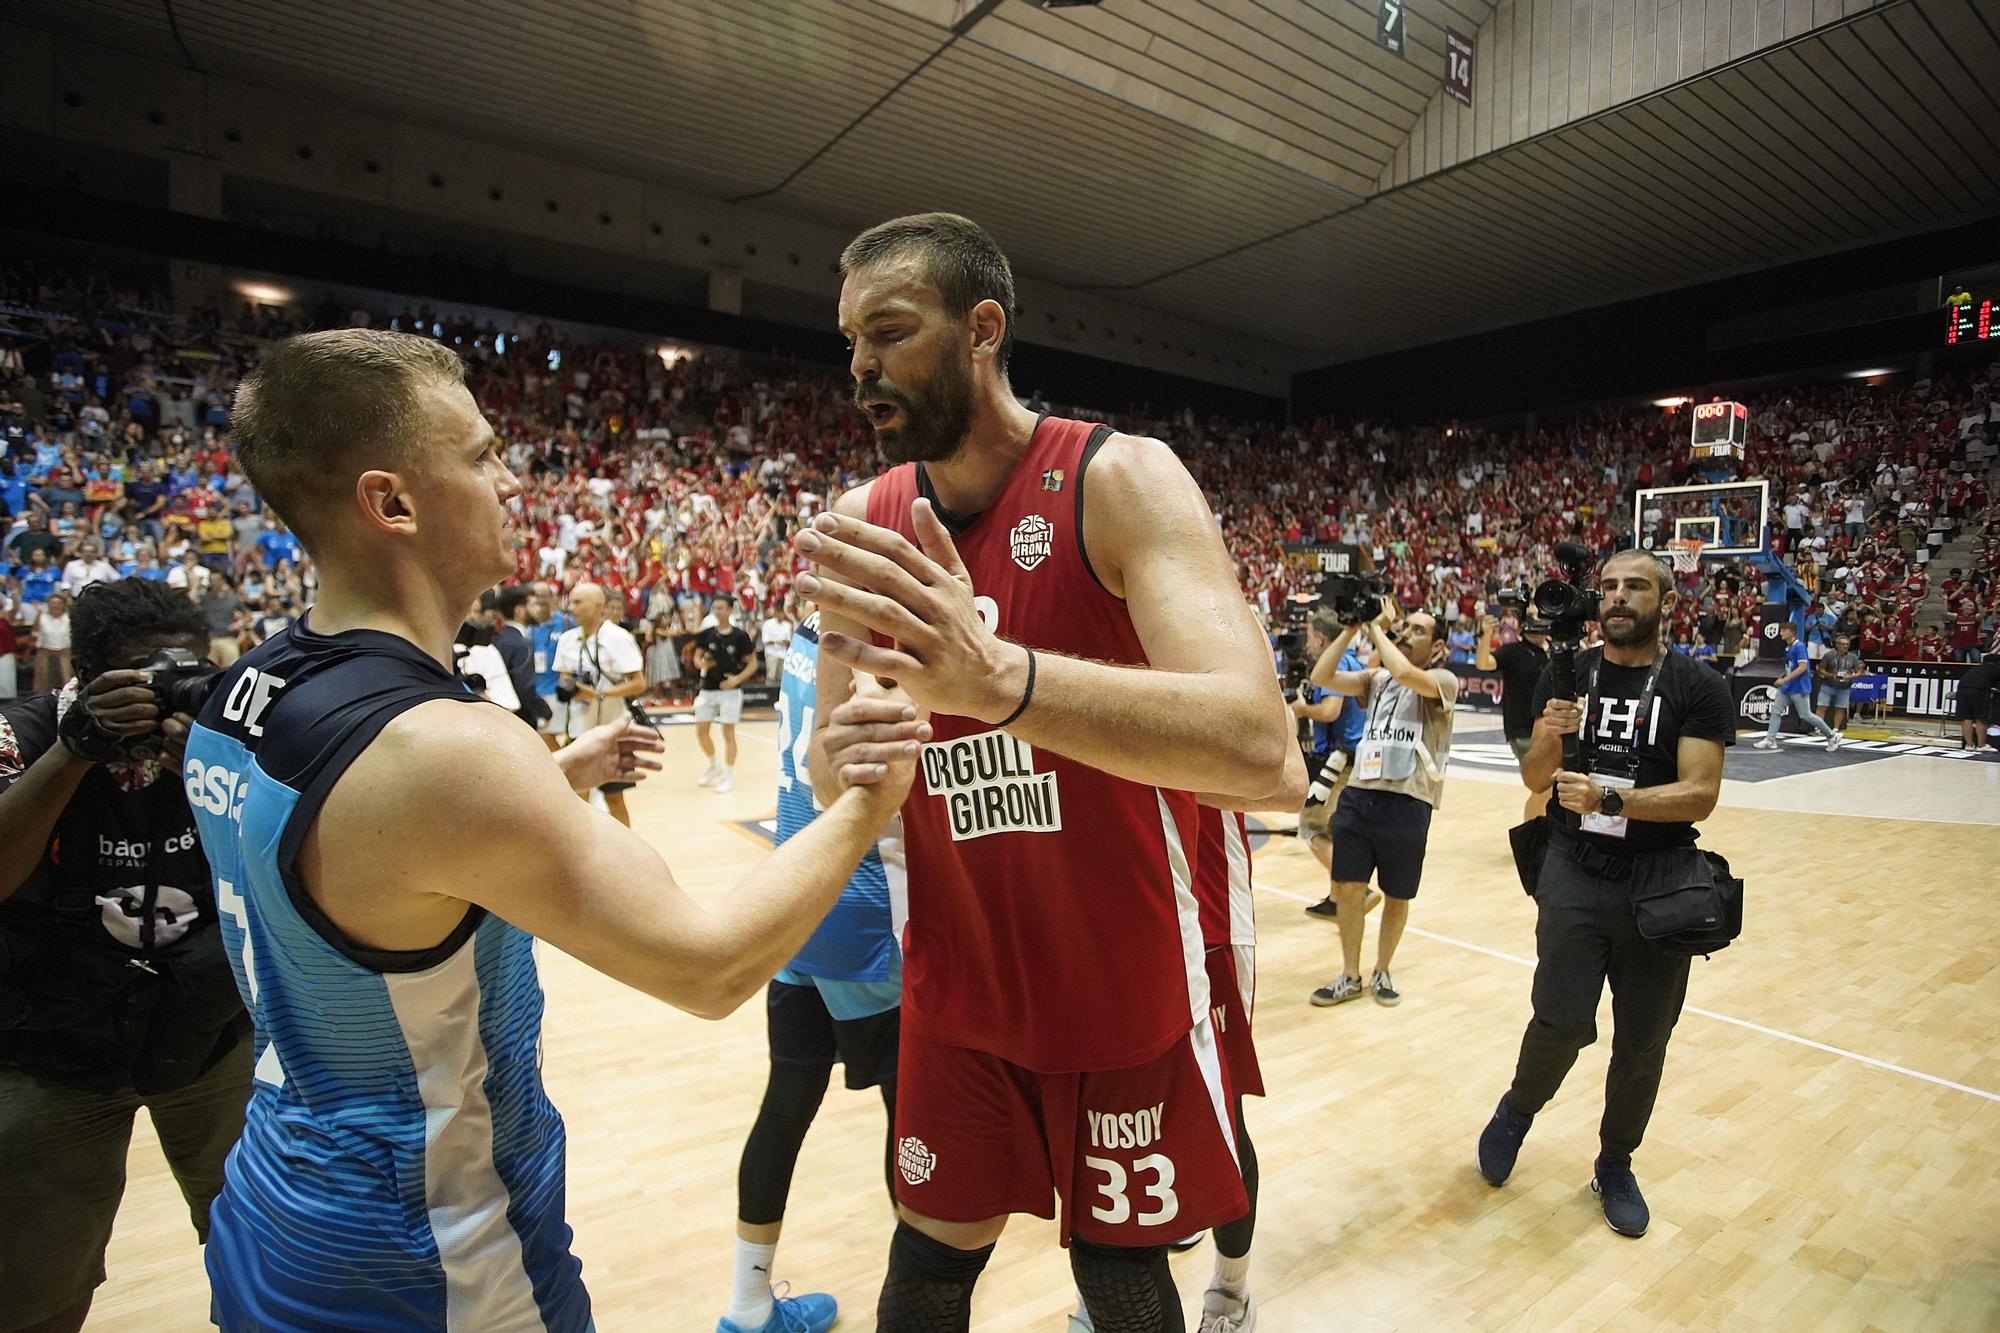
point(1642, 630)
point(937, 415)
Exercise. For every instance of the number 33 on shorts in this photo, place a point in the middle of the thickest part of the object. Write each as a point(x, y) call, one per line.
point(1115, 1190)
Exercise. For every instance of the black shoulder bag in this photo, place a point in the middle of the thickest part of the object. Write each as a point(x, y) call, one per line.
point(1685, 901)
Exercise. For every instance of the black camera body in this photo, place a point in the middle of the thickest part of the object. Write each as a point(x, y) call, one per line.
point(1355, 598)
point(181, 683)
point(1565, 605)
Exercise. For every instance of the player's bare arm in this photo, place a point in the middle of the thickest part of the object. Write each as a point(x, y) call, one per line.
point(519, 844)
point(1204, 716)
point(1326, 672)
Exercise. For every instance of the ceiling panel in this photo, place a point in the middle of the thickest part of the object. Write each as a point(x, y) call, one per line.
point(1212, 159)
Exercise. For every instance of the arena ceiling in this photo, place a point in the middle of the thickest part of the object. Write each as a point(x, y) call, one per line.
point(1261, 165)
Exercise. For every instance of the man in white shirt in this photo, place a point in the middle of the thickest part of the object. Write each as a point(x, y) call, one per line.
point(598, 666)
point(777, 637)
point(89, 567)
point(190, 575)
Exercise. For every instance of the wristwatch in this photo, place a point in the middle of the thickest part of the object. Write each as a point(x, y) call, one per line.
point(1610, 802)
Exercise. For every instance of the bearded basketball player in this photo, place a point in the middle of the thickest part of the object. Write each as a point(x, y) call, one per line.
point(1058, 597)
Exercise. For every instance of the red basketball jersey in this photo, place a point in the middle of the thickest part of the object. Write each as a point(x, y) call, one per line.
point(1222, 878)
point(1052, 913)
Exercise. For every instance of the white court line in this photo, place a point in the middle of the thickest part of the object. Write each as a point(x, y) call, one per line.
point(1744, 1023)
point(1792, 1037)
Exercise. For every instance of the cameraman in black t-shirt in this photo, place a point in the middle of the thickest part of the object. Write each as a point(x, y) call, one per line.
point(115, 992)
point(1520, 665)
point(1652, 757)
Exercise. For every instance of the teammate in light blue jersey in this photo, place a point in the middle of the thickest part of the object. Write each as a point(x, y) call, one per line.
point(840, 999)
point(384, 846)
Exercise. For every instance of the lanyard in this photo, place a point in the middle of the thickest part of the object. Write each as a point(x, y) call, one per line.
point(1641, 718)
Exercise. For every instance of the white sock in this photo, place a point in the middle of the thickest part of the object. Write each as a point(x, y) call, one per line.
point(750, 1302)
point(1082, 1315)
point(1231, 1275)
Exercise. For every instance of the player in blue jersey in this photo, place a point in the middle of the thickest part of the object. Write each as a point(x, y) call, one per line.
point(385, 847)
point(840, 999)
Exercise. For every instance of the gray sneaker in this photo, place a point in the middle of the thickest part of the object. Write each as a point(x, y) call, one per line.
point(1338, 991)
point(1223, 1313)
point(1833, 742)
point(1384, 989)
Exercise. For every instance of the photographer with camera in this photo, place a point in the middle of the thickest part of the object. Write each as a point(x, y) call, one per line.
point(1381, 827)
point(1648, 736)
point(1520, 665)
point(598, 666)
point(116, 993)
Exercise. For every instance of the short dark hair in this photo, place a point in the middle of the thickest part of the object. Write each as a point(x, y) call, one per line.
point(321, 403)
point(1663, 577)
point(960, 259)
point(107, 618)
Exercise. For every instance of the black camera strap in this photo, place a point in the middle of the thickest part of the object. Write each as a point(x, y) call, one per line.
point(1641, 719)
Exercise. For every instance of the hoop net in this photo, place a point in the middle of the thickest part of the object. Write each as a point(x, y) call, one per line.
point(1685, 552)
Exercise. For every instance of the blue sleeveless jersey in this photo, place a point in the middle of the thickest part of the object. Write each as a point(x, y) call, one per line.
point(857, 940)
point(400, 1166)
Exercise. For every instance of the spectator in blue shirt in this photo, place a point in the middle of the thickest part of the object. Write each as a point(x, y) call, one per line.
point(1795, 694)
point(277, 544)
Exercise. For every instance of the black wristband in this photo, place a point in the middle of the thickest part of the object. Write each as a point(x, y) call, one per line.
point(1026, 696)
point(86, 738)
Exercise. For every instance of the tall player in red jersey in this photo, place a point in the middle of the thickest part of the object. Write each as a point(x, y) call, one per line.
point(1058, 597)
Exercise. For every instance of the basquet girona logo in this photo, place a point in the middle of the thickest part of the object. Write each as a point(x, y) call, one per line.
point(1031, 540)
point(915, 1161)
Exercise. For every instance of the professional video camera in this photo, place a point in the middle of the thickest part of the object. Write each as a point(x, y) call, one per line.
point(1355, 598)
point(1565, 607)
point(1288, 638)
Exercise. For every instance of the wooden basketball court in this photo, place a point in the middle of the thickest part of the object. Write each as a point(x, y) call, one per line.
point(1826, 1152)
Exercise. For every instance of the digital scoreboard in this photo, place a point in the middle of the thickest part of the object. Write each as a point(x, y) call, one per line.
point(1970, 321)
point(1721, 430)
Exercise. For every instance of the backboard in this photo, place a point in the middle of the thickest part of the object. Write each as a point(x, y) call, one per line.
point(1731, 518)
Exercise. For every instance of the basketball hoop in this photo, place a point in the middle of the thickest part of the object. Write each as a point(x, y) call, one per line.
point(1685, 552)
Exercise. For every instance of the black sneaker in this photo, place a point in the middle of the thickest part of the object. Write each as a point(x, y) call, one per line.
point(1325, 907)
point(1500, 1142)
point(1624, 1207)
point(1338, 991)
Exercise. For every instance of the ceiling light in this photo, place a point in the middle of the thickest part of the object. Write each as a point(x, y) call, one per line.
point(1869, 374)
point(1670, 403)
point(263, 293)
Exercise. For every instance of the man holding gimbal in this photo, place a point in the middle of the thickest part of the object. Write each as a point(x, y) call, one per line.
point(1651, 729)
point(115, 992)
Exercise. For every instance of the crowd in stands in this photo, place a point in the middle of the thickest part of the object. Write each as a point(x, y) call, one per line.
point(669, 482)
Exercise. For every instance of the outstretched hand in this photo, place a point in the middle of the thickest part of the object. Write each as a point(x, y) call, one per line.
point(618, 751)
point(874, 738)
point(944, 657)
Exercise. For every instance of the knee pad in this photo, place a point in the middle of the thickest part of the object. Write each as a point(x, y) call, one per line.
point(1126, 1289)
point(928, 1288)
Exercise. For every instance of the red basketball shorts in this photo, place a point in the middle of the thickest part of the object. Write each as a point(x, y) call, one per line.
point(1138, 1156)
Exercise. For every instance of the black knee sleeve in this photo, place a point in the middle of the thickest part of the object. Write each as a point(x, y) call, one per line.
point(1126, 1289)
point(764, 1176)
point(928, 1288)
point(1232, 1239)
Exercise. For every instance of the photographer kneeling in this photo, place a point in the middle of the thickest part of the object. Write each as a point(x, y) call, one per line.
point(1651, 731)
point(115, 992)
